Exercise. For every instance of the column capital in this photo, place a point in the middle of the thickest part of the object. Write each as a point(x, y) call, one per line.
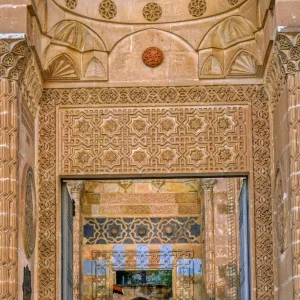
point(208, 184)
point(14, 52)
point(75, 186)
point(288, 48)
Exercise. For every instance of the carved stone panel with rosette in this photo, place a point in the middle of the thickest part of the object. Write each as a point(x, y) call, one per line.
point(153, 140)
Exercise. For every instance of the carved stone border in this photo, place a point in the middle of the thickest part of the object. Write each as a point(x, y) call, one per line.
point(13, 57)
point(47, 244)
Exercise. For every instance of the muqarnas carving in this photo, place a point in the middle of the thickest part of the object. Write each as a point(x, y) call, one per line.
point(30, 220)
point(153, 57)
point(142, 230)
point(108, 9)
point(152, 12)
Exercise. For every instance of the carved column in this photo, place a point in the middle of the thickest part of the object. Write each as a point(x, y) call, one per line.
point(209, 245)
point(12, 61)
point(289, 53)
point(75, 187)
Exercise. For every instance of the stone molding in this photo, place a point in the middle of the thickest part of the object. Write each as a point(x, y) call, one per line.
point(288, 53)
point(294, 186)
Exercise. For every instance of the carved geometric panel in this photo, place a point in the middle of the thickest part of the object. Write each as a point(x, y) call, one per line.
point(141, 230)
point(153, 140)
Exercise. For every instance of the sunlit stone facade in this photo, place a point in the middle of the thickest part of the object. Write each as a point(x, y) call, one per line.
point(139, 93)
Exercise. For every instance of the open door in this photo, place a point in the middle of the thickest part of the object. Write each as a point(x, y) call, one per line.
point(67, 243)
point(245, 291)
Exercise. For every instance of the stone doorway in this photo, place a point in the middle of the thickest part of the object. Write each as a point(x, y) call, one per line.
point(187, 226)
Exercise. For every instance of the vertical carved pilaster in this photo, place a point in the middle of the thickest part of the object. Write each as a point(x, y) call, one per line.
point(289, 52)
point(294, 120)
point(75, 187)
point(12, 61)
point(209, 245)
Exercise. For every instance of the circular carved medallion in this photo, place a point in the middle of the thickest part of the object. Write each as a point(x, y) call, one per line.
point(108, 9)
point(197, 8)
point(71, 3)
point(152, 57)
point(152, 12)
point(30, 220)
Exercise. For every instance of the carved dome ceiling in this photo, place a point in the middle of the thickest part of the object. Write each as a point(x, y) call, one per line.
point(147, 11)
point(104, 40)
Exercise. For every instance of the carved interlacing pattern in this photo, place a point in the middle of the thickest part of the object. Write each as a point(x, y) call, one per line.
point(8, 189)
point(152, 140)
point(289, 51)
point(262, 197)
point(143, 95)
point(12, 61)
point(185, 95)
point(294, 120)
point(47, 205)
